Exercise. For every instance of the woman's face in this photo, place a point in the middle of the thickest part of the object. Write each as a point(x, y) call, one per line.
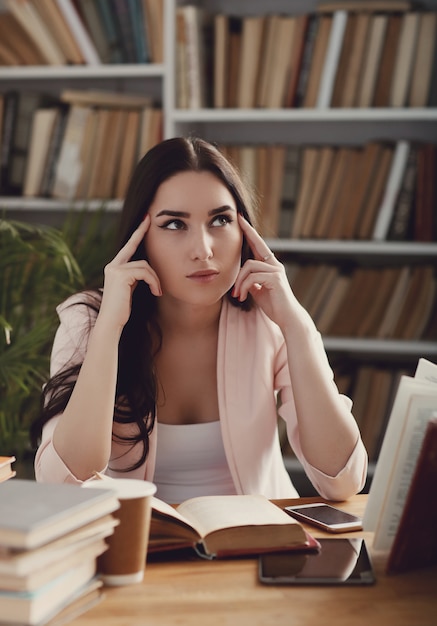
point(194, 240)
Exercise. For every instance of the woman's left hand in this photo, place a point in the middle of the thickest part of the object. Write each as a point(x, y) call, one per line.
point(264, 277)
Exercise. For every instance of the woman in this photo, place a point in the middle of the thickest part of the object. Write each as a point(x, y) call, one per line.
point(177, 372)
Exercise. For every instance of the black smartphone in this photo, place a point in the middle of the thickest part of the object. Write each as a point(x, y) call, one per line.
point(339, 562)
point(325, 516)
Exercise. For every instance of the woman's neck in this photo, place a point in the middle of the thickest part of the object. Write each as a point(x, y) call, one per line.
point(177, 317)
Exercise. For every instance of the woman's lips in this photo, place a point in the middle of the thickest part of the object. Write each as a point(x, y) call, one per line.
point(203, 276)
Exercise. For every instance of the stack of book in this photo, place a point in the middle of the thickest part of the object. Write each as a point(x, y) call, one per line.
point(348, 53)
point(83, 144)
point(61, 32)
point(381, 190)
point(50, 538)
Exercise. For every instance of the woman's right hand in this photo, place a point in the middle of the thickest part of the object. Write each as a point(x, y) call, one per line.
point(121, 278)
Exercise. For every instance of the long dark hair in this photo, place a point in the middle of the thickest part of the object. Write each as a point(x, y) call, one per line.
point(136, 389)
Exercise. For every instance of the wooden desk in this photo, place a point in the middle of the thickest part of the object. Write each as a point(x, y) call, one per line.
point(227, 593)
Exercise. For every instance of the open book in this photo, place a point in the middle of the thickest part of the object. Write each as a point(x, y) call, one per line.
point(415, 404)
point(222, 526)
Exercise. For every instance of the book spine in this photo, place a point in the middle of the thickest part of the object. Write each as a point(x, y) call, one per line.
point(331, 59)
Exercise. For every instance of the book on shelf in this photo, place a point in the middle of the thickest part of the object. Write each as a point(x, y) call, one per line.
point(418, 303)
point(248, 62)
point(394, 305)
point(355, 66)
point(226, 526)
point(283, 62)
point(190, 33)
point(333, 51)
point(53, 151)
point(221, 59)
point(391, 191)
point(6, 469)
point(415, 403)
point(317, 61)
point(31, 21)
point(401, 226)
point(332, 192)
point(102, 98)
point(415, 543)
point(125, 24)
point(33, 514)
point(334, 302)
point(296, 58)
point(432, 96)
point(388, 60)
point(43, 126)
point(95, 25)
point(318, 189)
point(384, 287)
point(405, 53)
point(111, 34)
point(310, 157)
point(53, 19)
point(68, 167)
point(17, 41)
point(375, 191)
point(79, 32)
point(421, 75)
point(312, 27)
point(371, 61)
point(154, 11)
point(346, 198)
point(27, 103)
point(289, 189)
point(425, 220)
point(129, 153)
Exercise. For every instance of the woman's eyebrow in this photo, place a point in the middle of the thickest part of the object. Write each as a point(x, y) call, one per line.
point(174, 213)
point(171, 213)
point(221, 209)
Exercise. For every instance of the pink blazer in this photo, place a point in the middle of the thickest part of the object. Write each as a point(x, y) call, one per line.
point(252, 368)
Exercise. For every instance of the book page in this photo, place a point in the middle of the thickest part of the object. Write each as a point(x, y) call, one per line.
point(426, 370)
point(420, 410)
point(211, 513)
point(391, 446)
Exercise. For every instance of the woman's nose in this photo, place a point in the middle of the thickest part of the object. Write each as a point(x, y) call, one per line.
point(201, 247)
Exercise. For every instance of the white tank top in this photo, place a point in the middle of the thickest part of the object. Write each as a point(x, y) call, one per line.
point(190, 462)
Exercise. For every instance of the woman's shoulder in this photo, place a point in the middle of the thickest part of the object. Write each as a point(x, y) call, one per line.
point(252, 322)
point(80, 304)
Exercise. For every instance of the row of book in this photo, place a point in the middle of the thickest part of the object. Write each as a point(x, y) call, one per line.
point(83, 144)
point(390, 302)
point(81, 32)
point(380, 191)
point(50, 539)
point(346, 54)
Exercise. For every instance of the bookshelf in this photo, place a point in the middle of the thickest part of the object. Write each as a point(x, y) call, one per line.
point(327, 126)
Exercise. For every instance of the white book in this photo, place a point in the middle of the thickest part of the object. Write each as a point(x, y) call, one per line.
point(391, 192)
point(79, 32)
point(331, 60)
point(414, 405)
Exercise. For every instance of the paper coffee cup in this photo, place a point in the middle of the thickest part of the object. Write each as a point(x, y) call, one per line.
point(124, 561)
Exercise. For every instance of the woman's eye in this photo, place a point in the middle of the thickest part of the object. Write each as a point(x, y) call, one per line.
point(221, 220)
point(173, 225)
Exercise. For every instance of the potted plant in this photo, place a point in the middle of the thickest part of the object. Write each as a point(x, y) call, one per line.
point(39, 267)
